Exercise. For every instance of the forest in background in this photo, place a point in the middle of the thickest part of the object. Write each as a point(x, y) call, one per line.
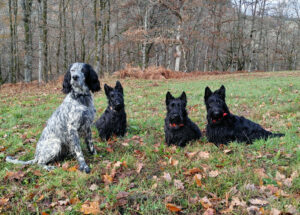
point(39, 39)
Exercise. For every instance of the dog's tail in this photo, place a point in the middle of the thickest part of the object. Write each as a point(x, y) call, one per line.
point(9, 159)
point(277, 135)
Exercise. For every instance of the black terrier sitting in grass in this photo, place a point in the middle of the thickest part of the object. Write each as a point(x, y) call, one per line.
point(113, 120)
point(179, 129)
point(224, 127)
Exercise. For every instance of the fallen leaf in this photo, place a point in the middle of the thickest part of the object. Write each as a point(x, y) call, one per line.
point(253, 210)
point(274, 211)
point(227, 151)
point(37, 173)
point(122, 194)
point(191, 154)
point(261, 172)
point(291, 209)
point(124, 164)
point(90, 208)
point(167, 177)
point(178, 184)
point(198, 178)
point(139, 167)
point(65, 166)
point(192, 171)
point(213, 174)
point(93, 187)
point(41, 198)
point(14, 175)
point(154, 186)
point(3, 201)
point(173, 208)
point(203, 155)
point(173, 162)
point(64, 202)
point(73, 168)
point(44, 213)
point(74, 201)
point(259, 202)
point(107, 179)
point(279, 176)
point(209, 211)
point(205, 202)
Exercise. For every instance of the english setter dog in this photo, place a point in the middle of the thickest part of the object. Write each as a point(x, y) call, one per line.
point(70, 121)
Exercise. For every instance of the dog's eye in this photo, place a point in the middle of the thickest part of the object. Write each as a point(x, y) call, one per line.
point(112, 95)
point(172, 105)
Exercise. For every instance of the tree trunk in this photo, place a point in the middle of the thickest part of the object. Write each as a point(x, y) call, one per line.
point(59, 36)
point(40, 68)
point(45, 41)
point(65, 35)
point(27, 6)
point(12, 72)
point(74, 32)
point(252, 38)
point(178, 49)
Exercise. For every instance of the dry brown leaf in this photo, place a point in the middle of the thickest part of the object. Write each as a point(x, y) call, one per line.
point(279, 176)
point(3, 201)
point(192, 171)
point(213, 174)
point(191, 154)
point(90, 208)
point(203, 155)
point(259, 202)
point(173, 162)
point(74, 201)
point(167, 177)
point(209, 211)
point(124, 164)
point(14, 175)
point(227, 151)
point(41, 198)
point(73, 169)
point(178, 184)
point(198, 178)
point(253, 210)
point(122, 194)
point(65, 166)
point(154, 186)
point(173, 208)
point(44, 213)
point(205, 202)
point(93, 187)
point(107, 179)
point(274, 211)
point(261, 172)
point(64, 202)
point(139, 167)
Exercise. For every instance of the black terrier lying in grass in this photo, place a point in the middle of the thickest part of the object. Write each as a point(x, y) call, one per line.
point(113, 120)
point(179, 129)
point(224, 127)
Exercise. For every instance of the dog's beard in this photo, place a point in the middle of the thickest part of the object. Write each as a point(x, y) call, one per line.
point(79, 88)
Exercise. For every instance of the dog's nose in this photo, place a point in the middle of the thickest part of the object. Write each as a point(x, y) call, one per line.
point(216, 113)
point(75, 77)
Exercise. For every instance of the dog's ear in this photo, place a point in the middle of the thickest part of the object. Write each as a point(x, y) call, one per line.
point(221, 92)
point(168, 98)
point(67, 82)
point(107, 89)
point(119, 87)
point(208, 93)
point(183, 97)
point(92, 79)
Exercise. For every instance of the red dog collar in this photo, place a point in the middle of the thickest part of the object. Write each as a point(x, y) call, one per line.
point(174, 125)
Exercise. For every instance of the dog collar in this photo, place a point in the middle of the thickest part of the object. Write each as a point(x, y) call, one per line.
point(224, 114)
point(174, 125)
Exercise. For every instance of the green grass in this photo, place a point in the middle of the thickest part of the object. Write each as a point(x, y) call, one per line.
point(270, 99)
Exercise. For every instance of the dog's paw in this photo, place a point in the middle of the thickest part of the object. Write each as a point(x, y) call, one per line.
point(85, 168)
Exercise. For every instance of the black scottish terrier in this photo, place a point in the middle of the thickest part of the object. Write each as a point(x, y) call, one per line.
point(113, 120)
point(179, 129)
point(224, 127)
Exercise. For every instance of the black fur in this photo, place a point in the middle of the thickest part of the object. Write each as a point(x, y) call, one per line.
point(224, 127)
point(179, 129)
point(113, 120)
point(91, 79)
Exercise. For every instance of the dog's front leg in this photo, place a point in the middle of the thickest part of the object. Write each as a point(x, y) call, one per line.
point(88, 141)
point(75, 144)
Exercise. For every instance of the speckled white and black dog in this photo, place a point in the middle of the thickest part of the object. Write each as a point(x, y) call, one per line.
point(70, 121)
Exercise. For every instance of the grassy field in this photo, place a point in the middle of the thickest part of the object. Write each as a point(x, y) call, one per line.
point(139, 174)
